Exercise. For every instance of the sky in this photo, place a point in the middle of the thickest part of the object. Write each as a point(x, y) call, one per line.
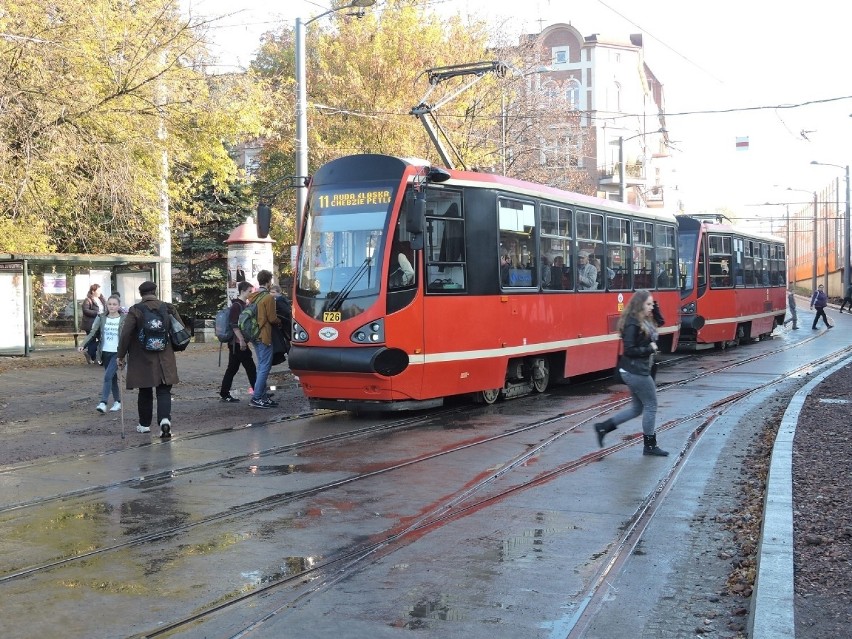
point(780, 72)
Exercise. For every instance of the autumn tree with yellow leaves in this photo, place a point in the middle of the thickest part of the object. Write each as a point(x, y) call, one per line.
point(97, 101)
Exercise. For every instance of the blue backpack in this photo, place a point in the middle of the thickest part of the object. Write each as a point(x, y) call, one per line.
point(224, 330)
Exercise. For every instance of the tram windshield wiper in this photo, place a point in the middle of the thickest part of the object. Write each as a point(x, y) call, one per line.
point(365, 267)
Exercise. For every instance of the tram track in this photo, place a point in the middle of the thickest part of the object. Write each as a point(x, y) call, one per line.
point(471, 500)
point(350, 559)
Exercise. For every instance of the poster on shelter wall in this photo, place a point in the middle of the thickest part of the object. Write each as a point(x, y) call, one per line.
point(55, 284)
point(12, 318)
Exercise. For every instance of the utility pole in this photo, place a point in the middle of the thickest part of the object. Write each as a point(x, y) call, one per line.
point(816, 246)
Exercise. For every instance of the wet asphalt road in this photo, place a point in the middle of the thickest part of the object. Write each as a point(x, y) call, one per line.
point(467, 522)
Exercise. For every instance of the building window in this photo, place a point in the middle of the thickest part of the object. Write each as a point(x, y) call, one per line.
point(560, 55)
point(615, 98)
point(572, 94)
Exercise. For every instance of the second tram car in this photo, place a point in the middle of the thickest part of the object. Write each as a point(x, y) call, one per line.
point(732, 283)
point(415, 283)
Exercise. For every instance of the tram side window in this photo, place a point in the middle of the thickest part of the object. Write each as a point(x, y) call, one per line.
point(666, 257)
point(401, 271)
point(777, 264)
point(748, 263)
point(557, 232)
point(590, 251)
point(616, 267)
point(721, 258)
point(445, 257)
point(643, 254)
point(516, 254)
point(763, 279)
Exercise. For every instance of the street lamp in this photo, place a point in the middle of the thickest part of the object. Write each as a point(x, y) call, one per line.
point(847, 253)
point(622, 183)
point(816, 246)
point(302, 105)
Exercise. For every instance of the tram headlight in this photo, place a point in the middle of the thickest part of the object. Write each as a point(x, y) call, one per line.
point(371, 333)
point(689, 309)
point(299, 334)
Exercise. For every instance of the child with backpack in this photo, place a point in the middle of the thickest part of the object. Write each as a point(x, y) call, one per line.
point(239, 353)
point(106, 330)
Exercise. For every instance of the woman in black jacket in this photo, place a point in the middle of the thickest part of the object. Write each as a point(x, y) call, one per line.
point(93, 305)
point(639, 336)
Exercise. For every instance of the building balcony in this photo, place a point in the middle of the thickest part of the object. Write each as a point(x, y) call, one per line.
point(634, 175)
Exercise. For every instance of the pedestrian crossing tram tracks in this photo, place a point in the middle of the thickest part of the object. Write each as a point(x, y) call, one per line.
point(467, 499)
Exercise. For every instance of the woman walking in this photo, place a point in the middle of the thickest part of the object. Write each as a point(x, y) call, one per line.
point(639, 337)
point(108, 326)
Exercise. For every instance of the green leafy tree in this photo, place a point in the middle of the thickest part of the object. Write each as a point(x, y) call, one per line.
point(199, 265)
point(100, 103)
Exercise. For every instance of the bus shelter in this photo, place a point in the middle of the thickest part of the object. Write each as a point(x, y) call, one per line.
point(43, 294)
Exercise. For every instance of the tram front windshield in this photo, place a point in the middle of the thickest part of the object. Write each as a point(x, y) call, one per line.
point(340, 261)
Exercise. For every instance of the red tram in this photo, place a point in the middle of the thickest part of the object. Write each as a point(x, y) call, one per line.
point(732, 283)
point(415, 283)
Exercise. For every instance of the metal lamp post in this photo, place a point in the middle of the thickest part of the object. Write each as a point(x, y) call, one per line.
point(622, 181)
point(816, 245)
point(847, 253)
point(302, 105)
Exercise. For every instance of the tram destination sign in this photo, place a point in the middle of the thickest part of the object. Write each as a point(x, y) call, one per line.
point(354, 197)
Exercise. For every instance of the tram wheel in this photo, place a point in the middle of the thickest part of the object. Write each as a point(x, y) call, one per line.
point(488, 396)
point(541, 375)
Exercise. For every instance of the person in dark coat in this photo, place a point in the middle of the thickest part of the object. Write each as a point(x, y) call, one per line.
point(92, 306)
point(819, 300)
point(149, 370)
point(639, 336)
point(847, 299)
point(239, 354)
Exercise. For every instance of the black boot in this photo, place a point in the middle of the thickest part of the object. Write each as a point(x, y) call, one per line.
point(602, 428)
point(651, 447)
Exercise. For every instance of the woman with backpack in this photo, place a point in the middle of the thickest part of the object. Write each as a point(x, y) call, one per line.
point(239, 354)
point(107, 327)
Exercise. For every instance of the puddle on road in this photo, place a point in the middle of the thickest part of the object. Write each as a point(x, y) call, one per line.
point(529, 544)
point(264, 470)
point(288, 567)
point(443, 608)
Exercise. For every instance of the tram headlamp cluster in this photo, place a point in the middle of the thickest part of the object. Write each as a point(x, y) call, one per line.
point(689, 309)
point(299, 333)
point(370, 333)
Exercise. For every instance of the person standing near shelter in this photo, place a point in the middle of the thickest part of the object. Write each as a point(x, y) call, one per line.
point(639, 336)
point(93, 306)
point(109, 326)
point(148, 370)
point(819, 300)
point(791, 304)
point(848, 298)
point(587, 274)
point(266, 319)
point(239, 354)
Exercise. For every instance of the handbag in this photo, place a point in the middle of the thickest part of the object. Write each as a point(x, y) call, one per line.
point(180, 337)
point(279, 346)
